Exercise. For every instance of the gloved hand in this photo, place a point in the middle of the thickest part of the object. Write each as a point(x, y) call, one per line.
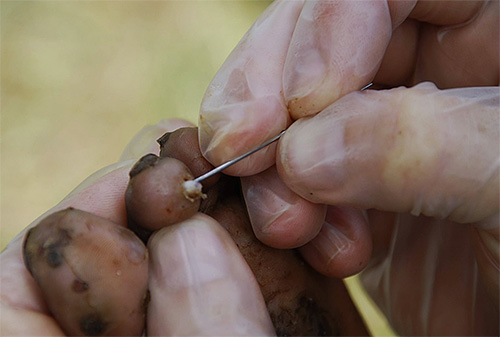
point(199, 282)
point(412, 171)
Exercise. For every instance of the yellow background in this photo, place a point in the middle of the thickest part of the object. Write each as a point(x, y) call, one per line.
point(79, 79)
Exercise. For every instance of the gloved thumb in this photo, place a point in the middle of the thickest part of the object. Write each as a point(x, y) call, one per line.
point(419, 150)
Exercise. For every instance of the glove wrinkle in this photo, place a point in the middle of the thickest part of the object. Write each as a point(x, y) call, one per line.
point(424, 269)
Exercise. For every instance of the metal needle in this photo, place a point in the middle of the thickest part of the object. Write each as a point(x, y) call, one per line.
point(234, 161)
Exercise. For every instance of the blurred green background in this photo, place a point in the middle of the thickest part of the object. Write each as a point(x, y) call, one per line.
point(79, 79)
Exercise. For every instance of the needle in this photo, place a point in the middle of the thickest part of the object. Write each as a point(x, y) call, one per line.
point(234, 161)
point(366, 86)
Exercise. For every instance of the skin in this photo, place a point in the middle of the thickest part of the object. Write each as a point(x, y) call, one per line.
point(24, 312)
point(472, 41)
point(20, 295)
point(206, 264)
point(388, 163)
point(272, 208)
point(300, 301)
point(195, 269)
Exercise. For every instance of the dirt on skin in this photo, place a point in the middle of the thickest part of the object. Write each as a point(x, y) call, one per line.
point(301, 302)
point(92, 273)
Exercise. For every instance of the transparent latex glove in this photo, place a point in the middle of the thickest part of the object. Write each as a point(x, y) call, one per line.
point(425, 163)
point(301, 56)
point(409, 156)
point(188, 262)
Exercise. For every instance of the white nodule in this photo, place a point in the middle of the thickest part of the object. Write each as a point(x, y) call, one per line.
point(192, 190)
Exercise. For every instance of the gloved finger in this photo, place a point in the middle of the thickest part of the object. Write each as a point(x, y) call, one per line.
point(418, 150)
point(104, 197)
point(201, 285)
point(243, 105)
point(464, 52)
point(444, 13)
point(343, 246)
point(446, 50)
point(336, 48)
point(102, 194)
point(19, 322)
point(280, 218)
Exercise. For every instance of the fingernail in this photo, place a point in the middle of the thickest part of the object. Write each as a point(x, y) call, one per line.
point(263, 204)
point(243, 105)
point(330, 56)
point(230, 130)
point(189, 256)
point(200, 283)
point(280, 218)
point(306, 70)
point(330, 242)
point(305, 65)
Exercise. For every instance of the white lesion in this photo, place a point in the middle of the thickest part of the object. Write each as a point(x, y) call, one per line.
point(192, 190)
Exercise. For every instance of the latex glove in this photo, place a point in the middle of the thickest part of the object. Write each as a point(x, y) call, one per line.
point(419, 151)
point(199, 282)
point(421, 155)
